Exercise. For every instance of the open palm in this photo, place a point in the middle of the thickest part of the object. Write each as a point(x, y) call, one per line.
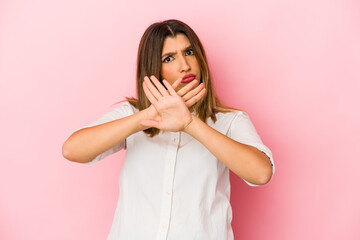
point(169, 110)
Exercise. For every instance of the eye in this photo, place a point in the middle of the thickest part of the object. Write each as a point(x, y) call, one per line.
point(189, 52)
point(168, 59)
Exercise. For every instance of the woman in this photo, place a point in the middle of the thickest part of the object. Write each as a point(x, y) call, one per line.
point(180, 142)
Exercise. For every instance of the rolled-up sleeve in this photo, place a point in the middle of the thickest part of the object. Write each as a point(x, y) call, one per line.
point(122, 111)
point(242, 130)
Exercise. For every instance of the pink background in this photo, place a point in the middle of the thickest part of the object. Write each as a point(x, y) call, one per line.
point(294, 66)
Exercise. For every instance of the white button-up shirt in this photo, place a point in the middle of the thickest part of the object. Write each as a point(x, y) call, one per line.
point(171, 186)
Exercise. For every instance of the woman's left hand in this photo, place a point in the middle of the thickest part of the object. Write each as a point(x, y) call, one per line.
point(173, 113)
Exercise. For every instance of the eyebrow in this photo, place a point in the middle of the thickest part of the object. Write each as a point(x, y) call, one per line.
point(173, 53)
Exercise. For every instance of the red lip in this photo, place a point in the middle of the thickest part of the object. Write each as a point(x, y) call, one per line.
point(188, 78)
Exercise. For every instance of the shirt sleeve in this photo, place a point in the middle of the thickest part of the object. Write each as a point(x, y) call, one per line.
point(117, 113)
point(243, 131)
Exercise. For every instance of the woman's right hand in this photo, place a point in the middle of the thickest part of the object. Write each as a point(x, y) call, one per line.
point(188, 93)
point(87, 143)
point(170, 109)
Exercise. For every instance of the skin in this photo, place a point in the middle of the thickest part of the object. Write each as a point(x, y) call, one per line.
point(170, 112)
point(245, 161)
point(85, 144)
point(173, 115)
point(178, 60)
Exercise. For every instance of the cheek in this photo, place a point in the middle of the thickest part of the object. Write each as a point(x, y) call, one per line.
point(196, 64)
point(196, 68)
point(166, 72)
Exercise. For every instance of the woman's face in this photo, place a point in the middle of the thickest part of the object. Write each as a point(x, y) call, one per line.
point(179, 61)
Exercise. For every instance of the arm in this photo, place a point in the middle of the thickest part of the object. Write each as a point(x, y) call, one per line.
point(85, 144)
point(245, 161)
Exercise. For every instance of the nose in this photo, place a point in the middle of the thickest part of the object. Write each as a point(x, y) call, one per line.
point(184, 65)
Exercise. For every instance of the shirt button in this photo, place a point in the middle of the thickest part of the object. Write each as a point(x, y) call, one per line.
point(174, 139)
point(167, 193)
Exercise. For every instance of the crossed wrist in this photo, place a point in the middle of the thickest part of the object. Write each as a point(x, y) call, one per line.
point(188, 126)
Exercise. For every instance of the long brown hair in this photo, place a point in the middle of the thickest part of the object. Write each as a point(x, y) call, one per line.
point(149, 63)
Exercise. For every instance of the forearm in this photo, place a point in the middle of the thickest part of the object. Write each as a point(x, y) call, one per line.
point(85, 144)
point(245, 161)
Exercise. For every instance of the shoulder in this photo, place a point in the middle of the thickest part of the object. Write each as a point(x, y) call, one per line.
point(229, 115)
point(225, 120)
point(124, 108)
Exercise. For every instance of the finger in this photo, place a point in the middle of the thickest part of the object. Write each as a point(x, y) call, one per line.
point(193, 92)
point(152, 88)
point(170, 88)
point(158, 85)
point(148, 94)
point(187, 88)
point(176, 83)
point(196, 98)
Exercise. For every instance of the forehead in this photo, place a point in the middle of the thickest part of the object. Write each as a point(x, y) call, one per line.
point(177, 43)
